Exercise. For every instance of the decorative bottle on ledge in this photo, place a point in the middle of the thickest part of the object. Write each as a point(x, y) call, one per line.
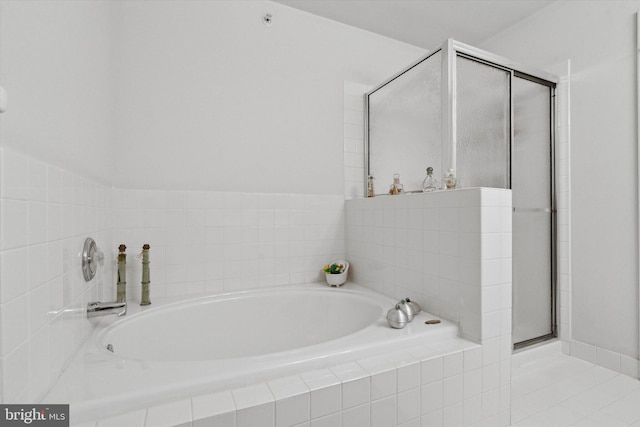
point(430, 183)
point(449, 180)
point(370, 190)
point(396, 188)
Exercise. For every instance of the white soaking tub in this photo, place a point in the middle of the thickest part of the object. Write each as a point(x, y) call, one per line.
point(241, 325)
point(174, 350)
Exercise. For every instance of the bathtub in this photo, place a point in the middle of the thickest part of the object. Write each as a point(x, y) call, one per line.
point(242, 325)
point(178, 349)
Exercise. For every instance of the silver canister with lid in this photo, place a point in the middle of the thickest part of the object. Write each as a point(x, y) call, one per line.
point(407, 308)
point(415, 307)
point(397, 318)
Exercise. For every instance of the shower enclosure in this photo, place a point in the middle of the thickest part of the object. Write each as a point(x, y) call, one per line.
point(491, 121)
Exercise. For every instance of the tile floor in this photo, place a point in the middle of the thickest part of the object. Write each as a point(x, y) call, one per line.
point(551, 389)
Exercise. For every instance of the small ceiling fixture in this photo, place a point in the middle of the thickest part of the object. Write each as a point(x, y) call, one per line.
point(267, 20)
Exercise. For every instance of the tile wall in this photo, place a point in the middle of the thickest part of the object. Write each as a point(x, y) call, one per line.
point(450, 383)
point(203, 242)
point(46, 214)
point(451, 252)
point(448, 250)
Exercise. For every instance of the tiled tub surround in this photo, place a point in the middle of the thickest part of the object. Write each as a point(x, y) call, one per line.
point(46, 213)
point(204, 242)
point(424, 385)
point(99, 383)
point(450, 250)
point(201, 242)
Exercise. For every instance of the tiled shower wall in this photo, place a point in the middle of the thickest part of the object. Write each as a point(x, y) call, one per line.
point(46, 214)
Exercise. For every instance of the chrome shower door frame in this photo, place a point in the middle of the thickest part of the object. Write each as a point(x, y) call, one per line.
point(451, 50)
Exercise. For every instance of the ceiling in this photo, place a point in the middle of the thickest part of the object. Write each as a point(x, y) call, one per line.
point(425, 23)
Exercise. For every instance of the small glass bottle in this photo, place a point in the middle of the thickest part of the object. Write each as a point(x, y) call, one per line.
point(370, 190)
point(449, 180)
point(396, 188)
point(430, 183)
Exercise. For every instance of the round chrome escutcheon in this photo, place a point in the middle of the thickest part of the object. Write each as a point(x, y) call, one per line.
point(91, 258)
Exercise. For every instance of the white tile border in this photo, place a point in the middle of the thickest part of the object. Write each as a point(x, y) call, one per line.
point(600, 356)
point(435, 394)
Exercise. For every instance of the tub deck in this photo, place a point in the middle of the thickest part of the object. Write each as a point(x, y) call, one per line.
point(99, 384)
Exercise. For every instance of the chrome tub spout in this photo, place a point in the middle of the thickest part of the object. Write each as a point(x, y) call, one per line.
point(98, 308)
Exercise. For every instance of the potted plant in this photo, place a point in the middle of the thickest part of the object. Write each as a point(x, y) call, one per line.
point(336, 272)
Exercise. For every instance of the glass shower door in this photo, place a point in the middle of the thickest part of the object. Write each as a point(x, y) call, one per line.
point(531, 182)
point(503, 140)
point(483, 132)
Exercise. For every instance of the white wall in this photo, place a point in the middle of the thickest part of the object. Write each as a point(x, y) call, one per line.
point(209, 98)
point(599, 39)
point(56, 66)
point(227, 133)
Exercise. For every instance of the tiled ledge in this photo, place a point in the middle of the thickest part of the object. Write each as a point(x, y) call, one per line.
point(462, 384)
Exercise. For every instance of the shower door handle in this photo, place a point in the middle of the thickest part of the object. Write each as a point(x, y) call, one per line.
point(545, 210)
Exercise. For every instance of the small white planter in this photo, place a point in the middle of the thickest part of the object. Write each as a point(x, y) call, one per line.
point(338, 279)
